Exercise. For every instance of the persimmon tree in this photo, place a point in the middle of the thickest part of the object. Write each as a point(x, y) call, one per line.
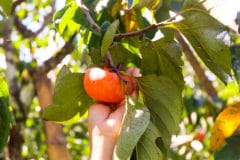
point(138, 38)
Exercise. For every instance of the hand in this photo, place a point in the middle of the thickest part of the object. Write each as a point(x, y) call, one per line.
point(104, 123)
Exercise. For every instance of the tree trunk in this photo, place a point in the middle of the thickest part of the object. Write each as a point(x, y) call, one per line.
point(56, 142)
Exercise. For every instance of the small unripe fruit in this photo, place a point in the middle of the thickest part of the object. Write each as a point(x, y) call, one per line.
point(106, 86)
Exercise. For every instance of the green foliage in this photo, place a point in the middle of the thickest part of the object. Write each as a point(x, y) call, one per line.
point(205, 38)
point(147, 131)
point(6, 6)
point(108, 37)
point(163, 57)
point(151, 4)
point(5, 116)
point(163, 98)
point(69, 97)
point(230, 150)
point(147, 147)
point(69, 19)
point(135, 122)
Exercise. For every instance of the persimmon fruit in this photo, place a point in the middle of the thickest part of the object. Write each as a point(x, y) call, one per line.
point(106, 86)
point(200, 136)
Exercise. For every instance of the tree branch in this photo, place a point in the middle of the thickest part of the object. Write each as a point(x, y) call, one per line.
point(86, 11)
point(11, 68)
point(15, 4)
point(204, 81)
point(28, 33)
point(54, 61)
point(23, 29)
point(140, 32)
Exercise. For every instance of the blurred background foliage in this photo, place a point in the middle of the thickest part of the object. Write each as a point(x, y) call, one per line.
point(35, 40)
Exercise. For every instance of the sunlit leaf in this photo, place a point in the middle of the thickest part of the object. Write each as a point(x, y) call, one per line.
point(70, 19)
point(134, 124)
point(5, 116)
point(130, 20)
point(150, 4)
point(69, 97)
point(225, 125)
point(108, 37)
point(6, 6)
point(205, 37)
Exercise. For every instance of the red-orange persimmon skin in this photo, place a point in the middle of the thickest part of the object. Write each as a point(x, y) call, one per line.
point(106, 86)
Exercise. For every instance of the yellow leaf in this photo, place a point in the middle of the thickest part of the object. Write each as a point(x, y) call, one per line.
point(116, 8)
point(130, 20)
point(225, 125)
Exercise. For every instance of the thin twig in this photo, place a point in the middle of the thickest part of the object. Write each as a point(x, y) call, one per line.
point(148, 28)
point(86, 11)
point(204, 81)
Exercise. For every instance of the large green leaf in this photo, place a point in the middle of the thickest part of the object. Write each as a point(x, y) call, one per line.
point(108, 37)
point(163, 57)
point(134, 124)
point(5, 117)
point(164, 100)
point(146, 147)
point(205, 34)
point(6, 6)
point(69, 97)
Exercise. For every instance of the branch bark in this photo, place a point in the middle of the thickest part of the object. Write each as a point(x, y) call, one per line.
point(54, 61)
point(204, 81)
point(15, 4)
point(28, 33)
point(56, 143)
point(16, 139)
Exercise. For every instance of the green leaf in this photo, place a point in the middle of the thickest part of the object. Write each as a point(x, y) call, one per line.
point(3, 89)
point(108, 37)
point(6, 6)
point(70, 19)
point(135, 123)
point(146, 147)
point(122, 55)
point(204, 33)
point(162, 14)
point(62, 73)
point(230, 150)
point(163, 57)
point(69, 97)
point(150, 4)
point(59, 113)
point(164, 100)
point(5, 116)
point(66, 19)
